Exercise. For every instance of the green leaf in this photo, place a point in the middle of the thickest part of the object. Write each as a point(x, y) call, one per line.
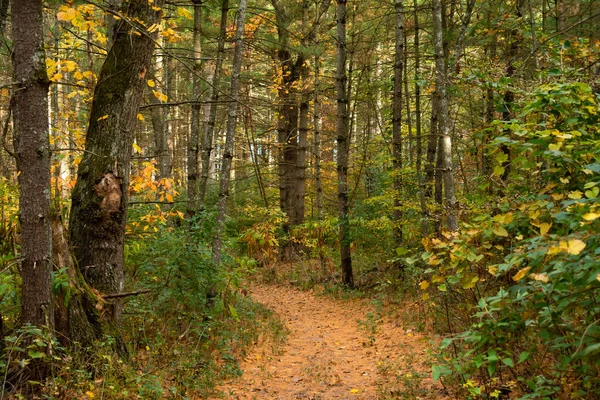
point(234, 312)
point(523, 356)
point(508, 361)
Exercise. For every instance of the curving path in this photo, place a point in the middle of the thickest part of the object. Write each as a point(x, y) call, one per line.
point(329, 354)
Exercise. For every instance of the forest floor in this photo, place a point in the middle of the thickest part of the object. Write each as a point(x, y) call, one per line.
point(334, 349)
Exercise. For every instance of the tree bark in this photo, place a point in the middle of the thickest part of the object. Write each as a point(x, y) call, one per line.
point(317, 126)
point(397, 120)
point(230, 135)
point(32, 148)
point(443, 120)
point(418, 137)
point(100, 197)
point(214, 97)
point(195, 126)
point(343, 146)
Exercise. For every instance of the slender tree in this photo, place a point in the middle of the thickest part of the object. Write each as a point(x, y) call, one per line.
point(397, 118)
point(214, 98)
point(230, 136)
point(343, 145)
point(445, 145)
point(195, 126)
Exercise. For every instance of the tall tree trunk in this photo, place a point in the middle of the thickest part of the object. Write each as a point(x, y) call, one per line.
point(287, 127)
point(100, 197)
point(443, 120)
point(214, 98)
point(397, 120)
point(195, 126)
point(32, 148)
point(343, 146)
point(317, 126)
point(300, 191)
point(418, 137)
point(230, 135)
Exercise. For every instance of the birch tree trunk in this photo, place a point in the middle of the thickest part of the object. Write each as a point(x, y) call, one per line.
point(195, 126)
point(445, 147)
point(230, 135)
point(343, 145)
point(214, 98)
point(100, 197)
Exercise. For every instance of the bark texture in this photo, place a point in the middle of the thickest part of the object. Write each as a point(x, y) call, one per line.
point(343, 145)
point(32, 149)
point(100, 198)
point(397, 119)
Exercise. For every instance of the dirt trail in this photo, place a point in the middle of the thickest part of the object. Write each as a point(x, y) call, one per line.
point(329, 354)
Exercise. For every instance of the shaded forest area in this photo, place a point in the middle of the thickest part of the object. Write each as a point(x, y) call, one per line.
point(156, 154)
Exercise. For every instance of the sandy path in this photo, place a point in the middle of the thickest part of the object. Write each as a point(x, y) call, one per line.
point(328, 354)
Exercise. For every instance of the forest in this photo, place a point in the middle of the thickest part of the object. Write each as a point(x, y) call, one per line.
point(300, 199)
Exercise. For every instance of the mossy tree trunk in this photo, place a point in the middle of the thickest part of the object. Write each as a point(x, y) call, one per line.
point(99, 203)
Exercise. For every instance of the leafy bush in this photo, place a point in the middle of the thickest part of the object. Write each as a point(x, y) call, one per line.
point(519, 293)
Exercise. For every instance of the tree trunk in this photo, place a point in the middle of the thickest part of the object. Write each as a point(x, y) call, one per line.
point(343, 146)
point(32, 148)
point(230, 135)
point(397, 120)
point(443, 120)
point(317, 128)
point(214, 98)
point(418, 137)
point(193, 145)
point(100, 197)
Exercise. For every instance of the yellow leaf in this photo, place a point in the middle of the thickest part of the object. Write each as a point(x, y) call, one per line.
point(576, 194)
point(68, 65)
point(555, 146)
point(521, 274)
point(354, 391)
point(103, 117)
point(66, 15)
point(500, 231)
point(169, 197)
point(591, 216)
point(160, 96)
point(90, 394)
point(140, 117)
point(424, 285)
point(78, 75)
point(89, 75)
point(425, 296)
point(183, 12)
point(151, 83)
point(575, 246)
point(137, 148)
point(492, 269)
point(544, 228)
point(539, 277)
point(56, 77)
point(598, 277)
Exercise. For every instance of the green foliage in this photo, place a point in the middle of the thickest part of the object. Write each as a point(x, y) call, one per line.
point(521, 286)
